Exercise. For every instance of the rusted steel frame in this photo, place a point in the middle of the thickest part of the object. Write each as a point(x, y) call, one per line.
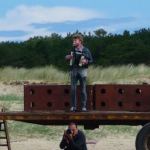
point(53, 97)
point(101, 97)
point(79, 116)
point(125, 97)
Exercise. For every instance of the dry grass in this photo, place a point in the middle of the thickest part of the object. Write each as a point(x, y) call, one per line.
point(121, 74)
point(113, 74)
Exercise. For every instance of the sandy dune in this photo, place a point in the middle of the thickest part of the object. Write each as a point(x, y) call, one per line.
point(107, 143)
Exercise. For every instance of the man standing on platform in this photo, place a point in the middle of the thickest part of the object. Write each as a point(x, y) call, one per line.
point(80, 57)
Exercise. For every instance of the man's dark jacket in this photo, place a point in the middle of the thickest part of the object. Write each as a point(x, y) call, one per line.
point(77, 143)
point(86, 53)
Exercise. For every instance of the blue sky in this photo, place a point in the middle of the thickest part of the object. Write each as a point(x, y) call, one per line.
point(21, 19)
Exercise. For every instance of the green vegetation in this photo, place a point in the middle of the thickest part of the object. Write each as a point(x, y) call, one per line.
point(107, 49)
point(113, 74)
point(10, 97)
point(128, 74)
point(11, 102)
point(55, 132)
point(29, 130)
point(116, 130)
point(48, 73)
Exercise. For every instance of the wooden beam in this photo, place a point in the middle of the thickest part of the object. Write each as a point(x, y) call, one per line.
point(78, 116)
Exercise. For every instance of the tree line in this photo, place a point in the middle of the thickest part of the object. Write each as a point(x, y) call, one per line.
point(107, 49)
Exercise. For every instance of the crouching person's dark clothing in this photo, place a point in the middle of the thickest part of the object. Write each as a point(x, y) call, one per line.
point(77, 143)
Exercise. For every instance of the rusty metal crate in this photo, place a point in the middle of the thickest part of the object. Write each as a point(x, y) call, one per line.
point(52, 97)
point(122, 97)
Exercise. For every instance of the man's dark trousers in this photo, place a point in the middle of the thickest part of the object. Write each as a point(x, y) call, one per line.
point(78, 74)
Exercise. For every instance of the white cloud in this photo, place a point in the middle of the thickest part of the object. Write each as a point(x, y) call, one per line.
point(21, 16)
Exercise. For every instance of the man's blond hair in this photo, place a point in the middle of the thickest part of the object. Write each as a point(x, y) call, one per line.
point(78, 36)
